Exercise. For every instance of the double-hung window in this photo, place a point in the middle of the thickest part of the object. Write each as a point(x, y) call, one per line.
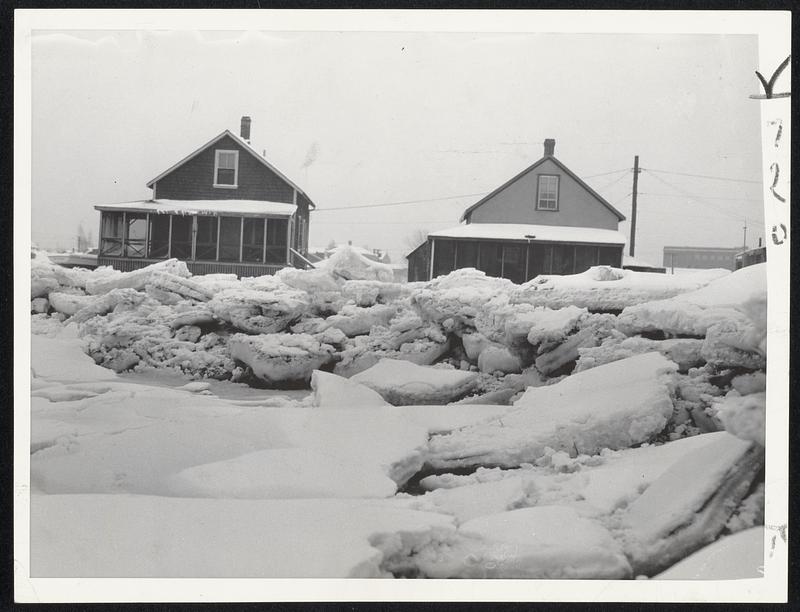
point(547, 193)
point(226, 168)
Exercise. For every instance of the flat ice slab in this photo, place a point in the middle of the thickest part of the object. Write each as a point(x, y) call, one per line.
point(404, 383)
point(549, 542)
point(614, 406)
point(136, 536)
point(733, 557)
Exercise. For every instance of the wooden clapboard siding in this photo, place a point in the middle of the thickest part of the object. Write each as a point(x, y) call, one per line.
point(194, 179)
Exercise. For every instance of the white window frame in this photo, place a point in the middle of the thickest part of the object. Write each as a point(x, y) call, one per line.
point(539, 191)
point(235, 168)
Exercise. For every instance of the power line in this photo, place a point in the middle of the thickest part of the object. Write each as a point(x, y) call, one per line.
point(706, 176)
point(606, 173)
point(685, 193)
point(453, 197)
point(615, 202)
point(685, 215)
point(614, 182)
point(624, 172)
point(672, 195)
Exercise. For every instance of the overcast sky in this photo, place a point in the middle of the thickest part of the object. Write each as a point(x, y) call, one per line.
point(362, 119)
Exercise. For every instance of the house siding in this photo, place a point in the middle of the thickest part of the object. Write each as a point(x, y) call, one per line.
point(419, 262)
point(194, 179)
point(516, 203)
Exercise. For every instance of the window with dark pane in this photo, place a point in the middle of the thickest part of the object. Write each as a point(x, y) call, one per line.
point(135, 234)
point(253, 240)
point(276, 240)
point(206, 245)
point(491, 258)
point(540, 259)
point(444, 256)
point(609, 256)
point(514, 263)
point(230, 238)
point(159, 236)
point(547, 198)
point(585, 257)
point(111, 234)
point(226, 167)
point(467, 254)
point(181, 242)
point(563, 259)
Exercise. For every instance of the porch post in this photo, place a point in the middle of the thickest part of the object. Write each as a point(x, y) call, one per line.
point(219, 226)
point(194, 237)
point(264, 245)
point(289, 237)
point(124, 233)
point(100, 235)
point(241, 237)
point(169, 239)
point(433, 252)
point(147, 234)
point(527, 250)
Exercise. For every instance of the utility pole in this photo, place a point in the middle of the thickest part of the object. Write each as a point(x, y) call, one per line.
point(633, 203)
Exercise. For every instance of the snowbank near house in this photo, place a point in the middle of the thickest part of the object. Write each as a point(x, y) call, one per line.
point(347, 263)
point(604, 288)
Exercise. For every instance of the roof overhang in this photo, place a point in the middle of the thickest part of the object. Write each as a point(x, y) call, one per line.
point(216, 208)
point(516, 232)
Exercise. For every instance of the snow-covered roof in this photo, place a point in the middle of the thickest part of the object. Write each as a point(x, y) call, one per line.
point(534, 233)
point(205, 207)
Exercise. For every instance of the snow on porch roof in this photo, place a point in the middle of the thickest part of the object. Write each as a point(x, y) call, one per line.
point(535, 233)
point(205, 207)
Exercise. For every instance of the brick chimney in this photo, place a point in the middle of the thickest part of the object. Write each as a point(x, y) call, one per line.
point(244, 132)
point(549, 147)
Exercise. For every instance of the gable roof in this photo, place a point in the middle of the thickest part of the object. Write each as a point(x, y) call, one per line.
point(566, 170)
point(246, 146)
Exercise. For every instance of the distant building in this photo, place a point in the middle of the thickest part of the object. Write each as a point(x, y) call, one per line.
point(545, 220)
point(751, 257)
point(700, 257)
point(222, 208)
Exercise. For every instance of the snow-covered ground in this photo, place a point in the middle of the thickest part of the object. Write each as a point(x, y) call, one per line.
point(571, 427)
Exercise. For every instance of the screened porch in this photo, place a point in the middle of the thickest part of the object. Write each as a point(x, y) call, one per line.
point(208, 243)
point(519, 261)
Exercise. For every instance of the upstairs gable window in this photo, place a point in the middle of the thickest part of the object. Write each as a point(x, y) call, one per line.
point(547, 192)
point(226, 168)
